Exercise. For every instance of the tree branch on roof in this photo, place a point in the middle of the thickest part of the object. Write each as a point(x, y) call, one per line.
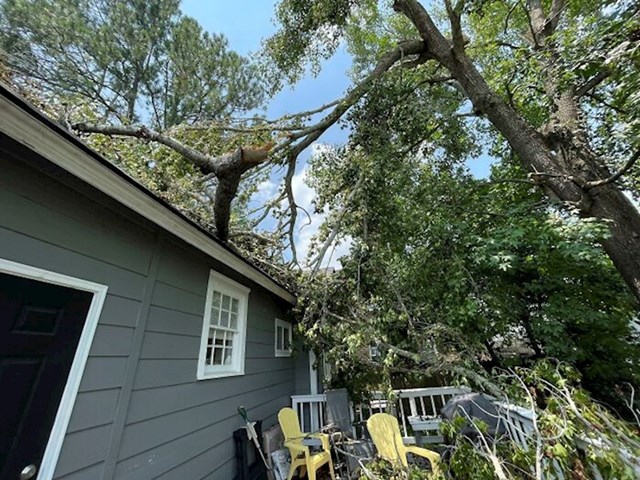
point(227, 168)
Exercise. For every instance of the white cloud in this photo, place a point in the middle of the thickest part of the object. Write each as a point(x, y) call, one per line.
point(308, 226)
point(265, 191)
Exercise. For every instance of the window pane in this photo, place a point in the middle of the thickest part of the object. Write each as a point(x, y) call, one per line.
point(217, 356)
point(209, 352)
point(285, 340)
point(233, 321)
point(216, 299)
point(210, 343)
point(278, 337)
point(215, 316)
point(224, 319)
point(226, 302)
point(234, 305)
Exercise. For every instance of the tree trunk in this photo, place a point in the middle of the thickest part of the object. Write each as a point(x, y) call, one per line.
point(558, 176)
point(605, 203)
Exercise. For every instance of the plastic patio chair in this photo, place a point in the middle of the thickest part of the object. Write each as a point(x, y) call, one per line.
point(350, 450)
point(385, 433)
point(301, 455)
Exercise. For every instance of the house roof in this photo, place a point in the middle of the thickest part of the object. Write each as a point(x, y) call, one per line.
point(30, 127)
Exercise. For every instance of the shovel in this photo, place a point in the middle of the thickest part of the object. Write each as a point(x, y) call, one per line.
point(253, 435)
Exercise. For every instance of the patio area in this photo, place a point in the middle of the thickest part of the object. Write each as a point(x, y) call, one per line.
point(417, 411)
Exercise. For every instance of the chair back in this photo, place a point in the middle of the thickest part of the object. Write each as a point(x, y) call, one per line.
point(290, 424)
point(338, 409)
point(385, 433)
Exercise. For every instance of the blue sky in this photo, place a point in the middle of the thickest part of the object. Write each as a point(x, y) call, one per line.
point(246, 27)
point(246, 23)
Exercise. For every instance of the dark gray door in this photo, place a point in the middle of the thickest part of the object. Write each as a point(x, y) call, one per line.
point(40, 326)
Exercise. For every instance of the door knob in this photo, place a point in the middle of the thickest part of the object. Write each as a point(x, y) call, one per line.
point(28, 472)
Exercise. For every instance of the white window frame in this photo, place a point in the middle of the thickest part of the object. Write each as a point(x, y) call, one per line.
point(289, 327)
point(226, 286)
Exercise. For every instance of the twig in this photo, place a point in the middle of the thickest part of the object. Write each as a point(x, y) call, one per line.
point(592, 83)
point(625, 168)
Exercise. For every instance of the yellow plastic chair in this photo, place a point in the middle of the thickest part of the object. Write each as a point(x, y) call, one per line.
point(301, 456)
point(385, 433)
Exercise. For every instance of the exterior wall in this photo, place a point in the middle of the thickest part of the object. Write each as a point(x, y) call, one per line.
point(302, 372)
point(140, 413)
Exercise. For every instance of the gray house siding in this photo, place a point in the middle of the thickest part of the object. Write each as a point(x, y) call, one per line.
point(140, 413)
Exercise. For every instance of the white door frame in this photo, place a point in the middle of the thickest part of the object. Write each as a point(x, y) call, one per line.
point(56, 438)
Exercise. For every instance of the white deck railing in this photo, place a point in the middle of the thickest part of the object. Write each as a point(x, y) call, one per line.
point(425, 403)
point(414, 402)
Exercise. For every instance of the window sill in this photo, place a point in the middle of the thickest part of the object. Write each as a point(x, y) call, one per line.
point(214, 375)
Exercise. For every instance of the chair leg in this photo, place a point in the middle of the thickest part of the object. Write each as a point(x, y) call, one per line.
point(292, 470)
point(311, 474)
point(331, 472)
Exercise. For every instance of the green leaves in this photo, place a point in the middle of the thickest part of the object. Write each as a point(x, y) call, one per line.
point(496, 269)
point(134, 60)
point(310, 32)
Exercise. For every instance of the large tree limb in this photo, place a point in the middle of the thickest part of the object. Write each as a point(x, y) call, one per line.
point(227, 168)
point(310, 134)
point(206, 163)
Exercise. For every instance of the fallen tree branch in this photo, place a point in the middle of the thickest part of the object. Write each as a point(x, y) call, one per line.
point(227, 168)
point(206, 163)
point(472, 375)
point(317, 261)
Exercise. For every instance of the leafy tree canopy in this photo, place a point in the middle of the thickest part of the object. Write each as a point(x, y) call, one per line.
point(137, 60)
point(453, 274)
point(552, 85)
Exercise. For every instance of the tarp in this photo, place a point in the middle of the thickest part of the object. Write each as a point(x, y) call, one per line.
point(474, 406)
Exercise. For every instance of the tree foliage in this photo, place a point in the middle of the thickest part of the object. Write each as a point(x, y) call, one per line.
point(477, 273)
point(550, 84)
point(137, 60)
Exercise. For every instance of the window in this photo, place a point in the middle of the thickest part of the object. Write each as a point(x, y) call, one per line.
point(283, 338)
point(224, 329)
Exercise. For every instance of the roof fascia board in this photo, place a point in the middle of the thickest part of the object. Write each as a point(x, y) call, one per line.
point(37, 136)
